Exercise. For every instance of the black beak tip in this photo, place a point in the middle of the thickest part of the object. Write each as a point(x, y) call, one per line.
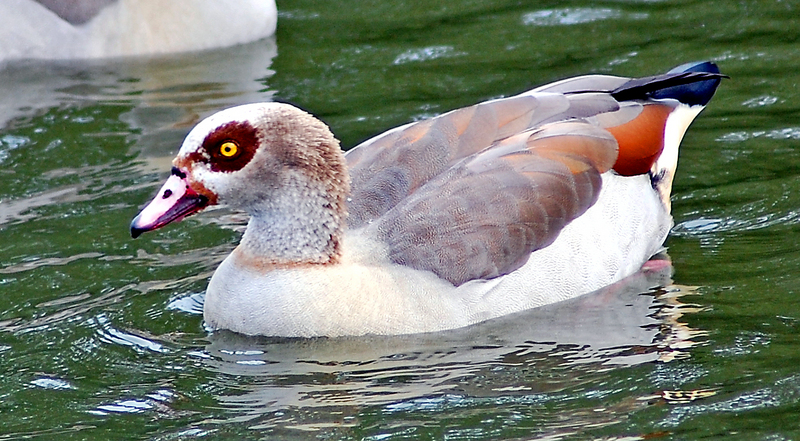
point(136, 231)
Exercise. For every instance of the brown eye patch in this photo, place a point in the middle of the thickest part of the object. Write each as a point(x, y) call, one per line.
point(231, 146)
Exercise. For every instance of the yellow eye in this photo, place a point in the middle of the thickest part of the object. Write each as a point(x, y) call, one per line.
point(228, 149)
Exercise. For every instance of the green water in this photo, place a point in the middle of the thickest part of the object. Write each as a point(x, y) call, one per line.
point(100, 336)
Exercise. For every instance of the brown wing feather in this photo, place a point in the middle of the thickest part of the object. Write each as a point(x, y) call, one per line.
point(484, 216)
point(387, 169)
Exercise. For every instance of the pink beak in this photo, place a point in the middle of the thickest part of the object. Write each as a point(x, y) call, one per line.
point(173, 202)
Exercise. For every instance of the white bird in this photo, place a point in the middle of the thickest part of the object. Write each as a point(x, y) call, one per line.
point(481, 212)
point(81, 29)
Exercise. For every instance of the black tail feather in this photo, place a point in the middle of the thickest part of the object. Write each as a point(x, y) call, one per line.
point(692, 84)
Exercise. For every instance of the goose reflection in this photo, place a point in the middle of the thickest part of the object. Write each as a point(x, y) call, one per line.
point(528, 355)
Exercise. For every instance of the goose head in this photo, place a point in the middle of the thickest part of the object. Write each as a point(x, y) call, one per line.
point(274, 161)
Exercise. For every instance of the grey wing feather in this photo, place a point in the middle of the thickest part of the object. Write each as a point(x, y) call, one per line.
point(76, 12)
point(388, 168)
point(484, 216)
point(583, 84)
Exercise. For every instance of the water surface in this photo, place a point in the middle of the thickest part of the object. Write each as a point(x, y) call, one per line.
point(101, 336)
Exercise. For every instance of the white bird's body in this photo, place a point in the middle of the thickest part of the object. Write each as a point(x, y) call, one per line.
point(87, 29)
point(376, 296)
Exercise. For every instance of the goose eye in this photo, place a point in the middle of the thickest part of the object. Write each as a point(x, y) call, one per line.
point(228, 149)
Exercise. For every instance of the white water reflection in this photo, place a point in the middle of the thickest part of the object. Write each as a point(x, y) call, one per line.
point(574, 16)
point(163, 91)
point(52, 383)
point(792, 133)
point(426, 54)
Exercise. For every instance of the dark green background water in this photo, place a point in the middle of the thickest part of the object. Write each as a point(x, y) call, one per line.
point(100, 336)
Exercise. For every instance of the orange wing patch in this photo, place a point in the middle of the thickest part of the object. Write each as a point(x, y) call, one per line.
point(640, 140)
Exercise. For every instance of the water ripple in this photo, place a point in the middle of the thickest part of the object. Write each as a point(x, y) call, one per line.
point(110, 334)
point(710, 226)
point(52, 383)
point(776, 134)
point(426, 54)
point(157, 401)
point(573, 16)
point(761, 101)
point(191, 304)
point(9, 143)
point(37, 262)
point(755, 400)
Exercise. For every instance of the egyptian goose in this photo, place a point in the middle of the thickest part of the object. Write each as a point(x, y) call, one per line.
point(59, 29)
point(481, 212)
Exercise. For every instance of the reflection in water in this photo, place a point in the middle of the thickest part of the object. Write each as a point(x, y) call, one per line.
point(164, 92)
point(312, 383)
point(20, 210)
